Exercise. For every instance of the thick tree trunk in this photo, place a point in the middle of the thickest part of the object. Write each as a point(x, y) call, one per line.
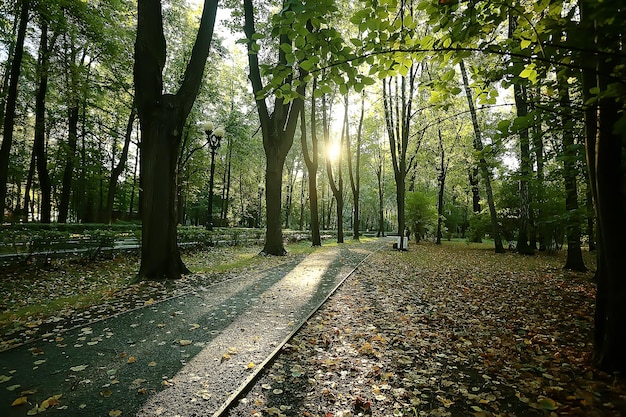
point(11, 102)
point(274, 163)
point(611, 206)
point(607, 173)
point(160, 256)
point(278, 131)
point(162, 117)
point(478, 146)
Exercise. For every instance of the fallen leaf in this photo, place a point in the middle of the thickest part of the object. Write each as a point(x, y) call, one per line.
point(185, 342)
point(19, 401)
point(131, 359)
point(115, 413)
point(153, 363)
point(50, 402)
point(250, 365)
point(78, 368)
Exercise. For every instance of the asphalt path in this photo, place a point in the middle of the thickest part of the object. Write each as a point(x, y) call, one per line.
point(183, 356)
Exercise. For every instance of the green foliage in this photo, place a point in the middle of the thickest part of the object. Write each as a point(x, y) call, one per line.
point(479, 227)
point(421, 212)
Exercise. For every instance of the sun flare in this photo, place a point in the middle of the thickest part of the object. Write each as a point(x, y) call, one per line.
point(334, 151)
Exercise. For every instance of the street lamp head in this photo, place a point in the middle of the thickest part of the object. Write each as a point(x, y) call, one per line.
point(208, 127)
point(219, 132)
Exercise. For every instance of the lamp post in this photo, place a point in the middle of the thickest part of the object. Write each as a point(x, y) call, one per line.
point(213, 139)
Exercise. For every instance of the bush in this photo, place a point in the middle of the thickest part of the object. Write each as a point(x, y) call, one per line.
point(479, 226)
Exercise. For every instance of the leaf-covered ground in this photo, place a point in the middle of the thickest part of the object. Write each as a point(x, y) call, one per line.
point(451, 330)
point(40, 300)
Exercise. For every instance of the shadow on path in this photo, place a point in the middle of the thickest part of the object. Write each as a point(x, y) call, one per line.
point(181, 356)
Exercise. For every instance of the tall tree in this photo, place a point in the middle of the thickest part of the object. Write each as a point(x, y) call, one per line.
point(355, 171)
point(11, 102)
point(162, 116)
point(74, 91)
point(607, 171)
point(39, 149)
point(311, 160)
point(278, 126)
point(482, 163)
point(336, 157)
point(521, 106)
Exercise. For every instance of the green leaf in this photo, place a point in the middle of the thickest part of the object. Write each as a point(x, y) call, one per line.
point(530, 73)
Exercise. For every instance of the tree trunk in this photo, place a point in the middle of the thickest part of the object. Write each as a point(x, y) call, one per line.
point(274, 164)
point(278, 131)
point(162, 117)
point(68, 170)
point(227, 183)
point(337, 188)
point(441, 179)
point(119, 168)
point(289, 196)
point(607, 173)
point(474, 181)
point(574, 259)
point(131, 203)
point(39, 150)
point(28, 187)
point(478, 146)
point(355, 175)
point(521, 104)
point(311, 162)
point(381, 196)
point(11, 102)
point(302, 194)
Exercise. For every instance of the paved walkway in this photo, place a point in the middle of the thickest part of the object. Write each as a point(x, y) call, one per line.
point(180, 357)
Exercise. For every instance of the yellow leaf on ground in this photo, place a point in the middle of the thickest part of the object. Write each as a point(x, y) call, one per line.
point(115, 413)
point(250, 365)
point(19, 401)
point(50, 402)
point(131, 360)
point(185, 342)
